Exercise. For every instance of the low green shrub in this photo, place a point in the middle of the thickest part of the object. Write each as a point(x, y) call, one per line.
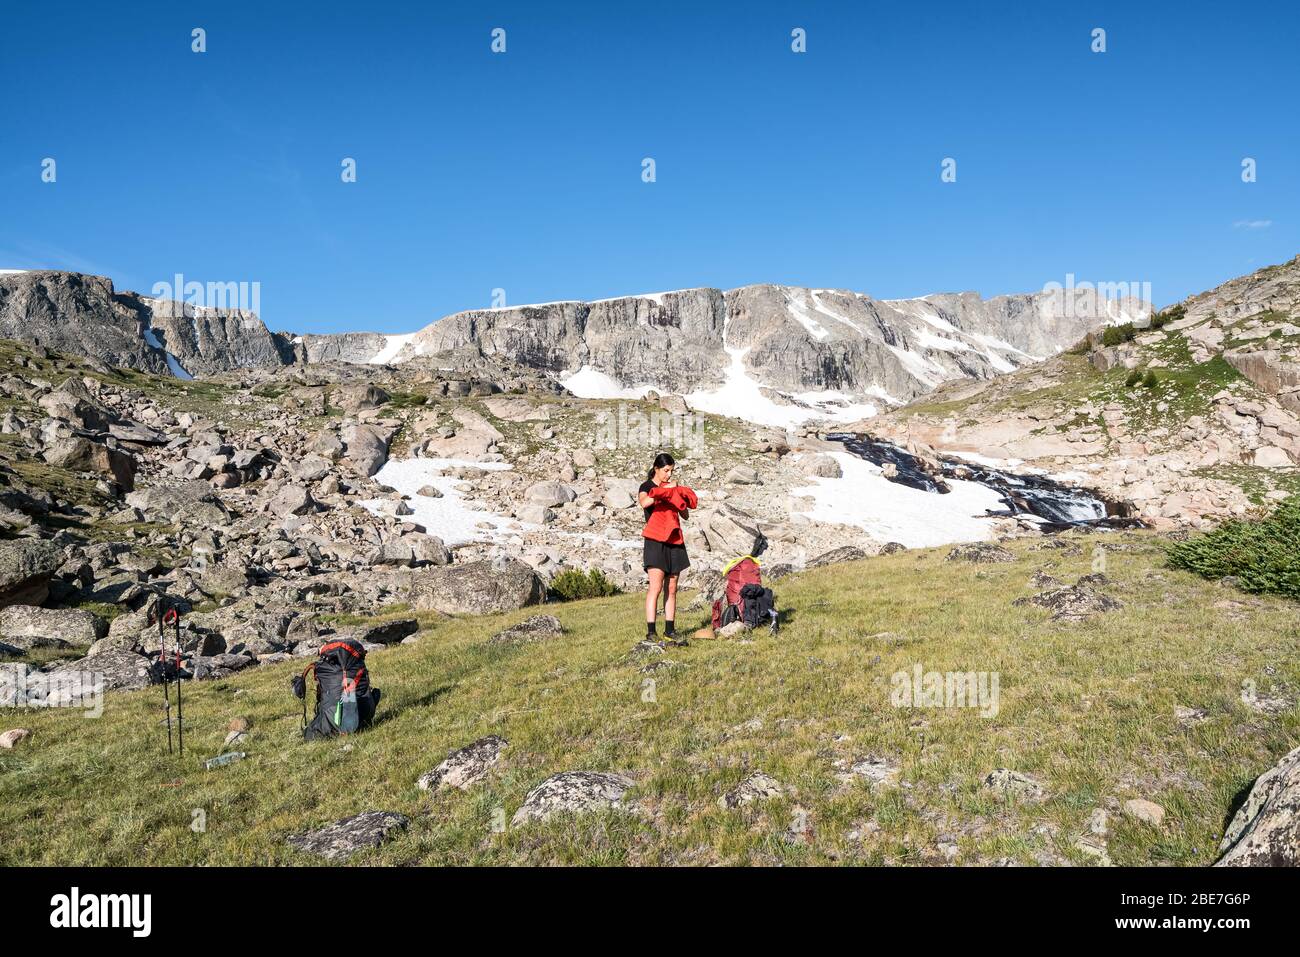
point(572, 584)
point(1117, 335)
point(1263, 556)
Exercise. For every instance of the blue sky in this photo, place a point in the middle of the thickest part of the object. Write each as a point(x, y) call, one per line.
point(522, 170)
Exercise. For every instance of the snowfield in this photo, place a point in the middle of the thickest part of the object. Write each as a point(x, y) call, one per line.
point(889, 512)
point(588, 383)
point(452, 518)
point(392, 346)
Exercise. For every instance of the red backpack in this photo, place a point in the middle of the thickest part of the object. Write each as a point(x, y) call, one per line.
point(739, 573)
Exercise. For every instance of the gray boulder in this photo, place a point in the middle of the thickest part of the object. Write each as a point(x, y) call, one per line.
point(428, 549)
point(342, 839)
point(25, 569)
point(79, 410)
point(113, 669)
point(191, 503)
point(846, 553)
point(356, 398)
point(216, 667)
point(223, 578)
point(78, 454)
point(292, 500)
point(742, 475)
point(550, 494)
point(366, 448)
point(730, 531)
point(573, 792)
point(477, 588)
point(385, 632)
point(535, 514)
point(821, 465)
point(1265, 831)
point(464, 766)
point(980, 552)
point(618, 497)
point(21, 625)
point(531, 629)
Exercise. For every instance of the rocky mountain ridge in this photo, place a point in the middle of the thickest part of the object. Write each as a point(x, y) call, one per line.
point(795, 346)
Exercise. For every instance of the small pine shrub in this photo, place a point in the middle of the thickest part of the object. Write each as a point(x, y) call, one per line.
point(1117, 335)
point(1134, 377)
point(1150, 381)
point(1161, 319)
point(573, 583)
point(1263, 556)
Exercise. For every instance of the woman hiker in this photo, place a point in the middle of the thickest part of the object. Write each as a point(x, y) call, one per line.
point(664, 555)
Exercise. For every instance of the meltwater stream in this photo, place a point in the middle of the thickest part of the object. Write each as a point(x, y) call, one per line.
point(1035, 498)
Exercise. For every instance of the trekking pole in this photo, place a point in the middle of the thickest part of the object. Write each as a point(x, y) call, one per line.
point(173, 616)
point(162, 673)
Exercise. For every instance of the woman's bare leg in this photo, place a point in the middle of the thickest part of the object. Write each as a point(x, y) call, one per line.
point(670, 602)
point(652, 594)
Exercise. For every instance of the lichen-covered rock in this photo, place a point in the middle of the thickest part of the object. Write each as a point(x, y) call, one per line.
point(192, 503)
point(573, 792)
point(114, 669)
point(981, 552)
point(846, 553)
point(876, 771)
point(533, 628)
point(1013, 783)
point(1072, 603)
point(477, 588)
point(757, 787)
point(464, 766)
point(1265, 831)
point(24, 625)
point(342, 839)
point(25, 569)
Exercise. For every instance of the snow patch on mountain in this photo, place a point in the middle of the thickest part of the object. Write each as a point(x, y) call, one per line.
point(589, 383)
point(799, 310)
point(891, 512)
point(740, 396)
point(173, 366)
point(392, 346)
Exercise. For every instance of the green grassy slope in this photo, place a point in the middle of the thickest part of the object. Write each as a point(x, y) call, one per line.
point(1088, 709)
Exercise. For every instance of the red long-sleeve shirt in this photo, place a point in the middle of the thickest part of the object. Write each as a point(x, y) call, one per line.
point(664, 523)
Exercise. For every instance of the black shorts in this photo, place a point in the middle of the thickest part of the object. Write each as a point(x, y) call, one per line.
point(671, 558)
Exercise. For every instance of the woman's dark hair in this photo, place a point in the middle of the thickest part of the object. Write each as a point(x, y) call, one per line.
point(662, 459)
